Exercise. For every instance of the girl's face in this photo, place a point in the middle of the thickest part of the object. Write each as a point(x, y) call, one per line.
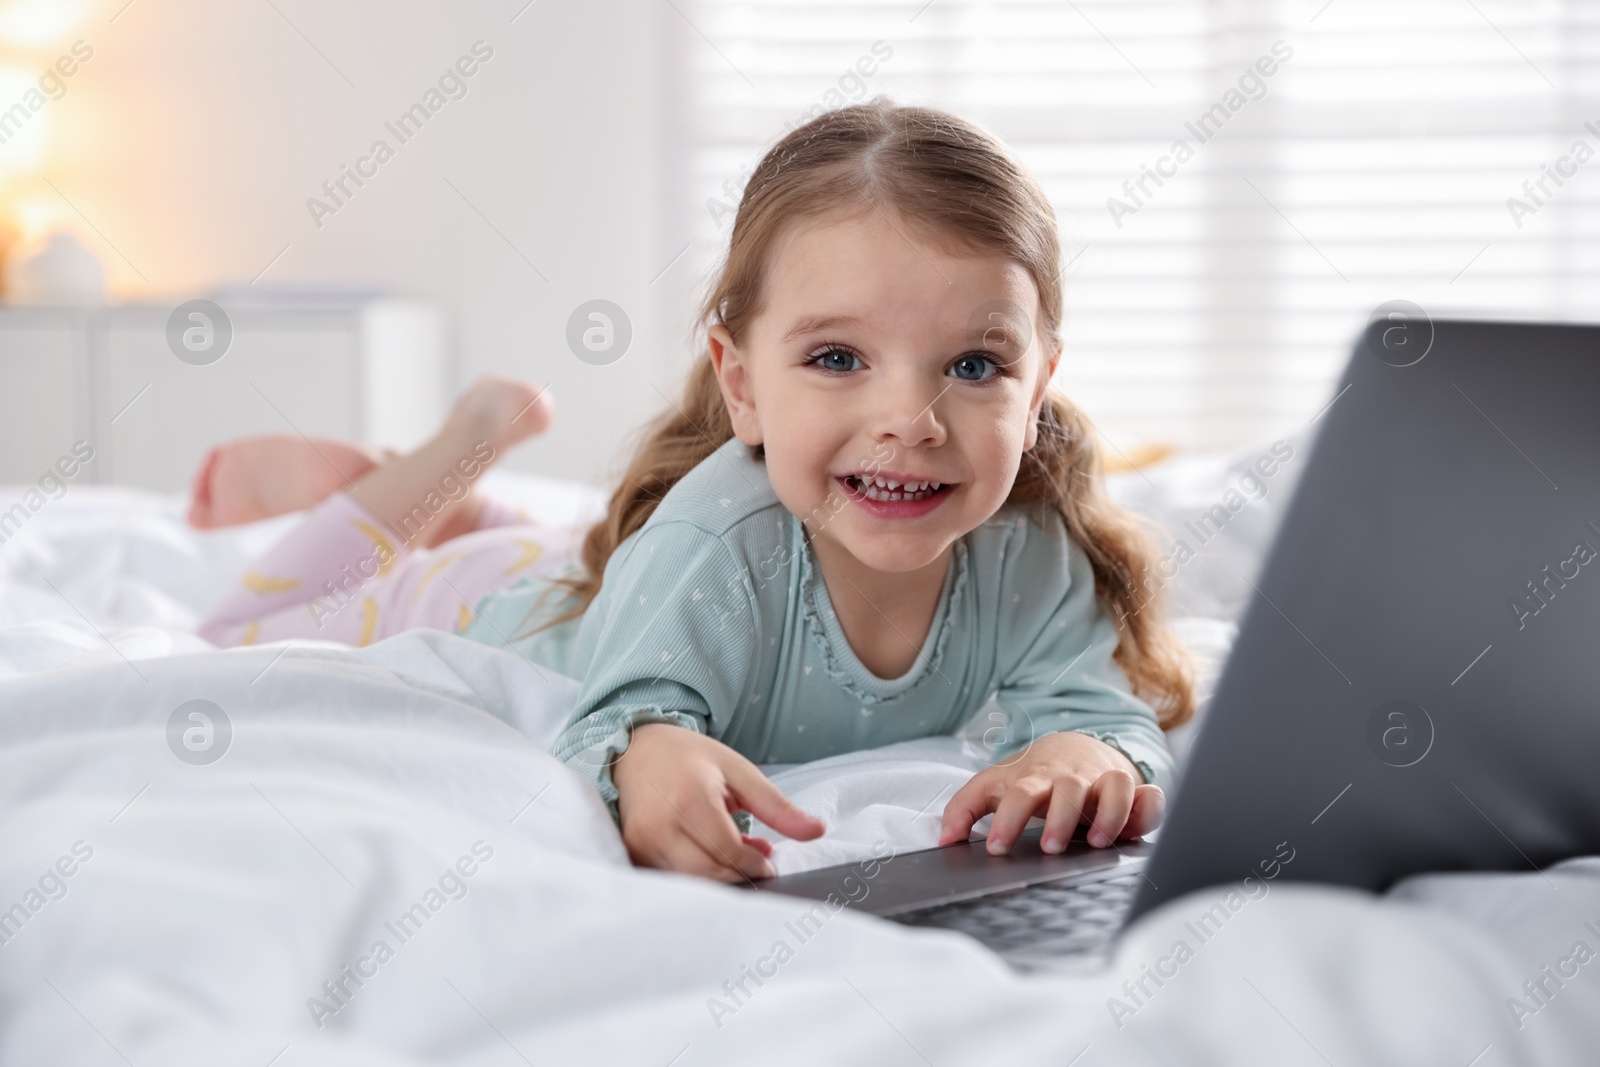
point(881, 364)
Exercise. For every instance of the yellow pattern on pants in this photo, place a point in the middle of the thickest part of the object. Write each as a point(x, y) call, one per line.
point(342, 575)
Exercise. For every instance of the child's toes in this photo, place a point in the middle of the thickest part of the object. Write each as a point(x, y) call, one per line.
point(201, 515)
point(536, 414)
point(503, 410)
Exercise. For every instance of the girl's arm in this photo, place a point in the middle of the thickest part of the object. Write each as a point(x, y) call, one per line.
point(671, 638)
point(1079, 745)
point(670, 646)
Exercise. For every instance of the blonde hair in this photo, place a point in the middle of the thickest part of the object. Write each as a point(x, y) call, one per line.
point(954, 181)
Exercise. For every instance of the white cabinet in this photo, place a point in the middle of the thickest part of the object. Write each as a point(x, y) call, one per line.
point(44, 389)
point(374, 371)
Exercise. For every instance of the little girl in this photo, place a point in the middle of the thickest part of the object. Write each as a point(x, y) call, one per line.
point(869, 513)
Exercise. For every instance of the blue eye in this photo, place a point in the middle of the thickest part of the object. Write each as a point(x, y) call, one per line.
point(837, 360)
point(974, 367)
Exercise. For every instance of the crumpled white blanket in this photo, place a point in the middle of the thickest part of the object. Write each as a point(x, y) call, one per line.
point(232, 912)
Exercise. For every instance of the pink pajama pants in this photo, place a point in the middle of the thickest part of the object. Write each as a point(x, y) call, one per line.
point(342, 575)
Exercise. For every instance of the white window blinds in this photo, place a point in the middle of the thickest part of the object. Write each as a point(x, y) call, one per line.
point(1336, 155)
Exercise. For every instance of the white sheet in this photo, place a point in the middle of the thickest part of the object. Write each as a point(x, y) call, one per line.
point(219, 898)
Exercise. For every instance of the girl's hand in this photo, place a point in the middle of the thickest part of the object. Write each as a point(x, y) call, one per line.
point(676, 792)
point(1067, 778)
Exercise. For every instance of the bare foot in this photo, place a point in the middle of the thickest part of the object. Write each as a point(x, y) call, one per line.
point(255, 478)
point(502, 411)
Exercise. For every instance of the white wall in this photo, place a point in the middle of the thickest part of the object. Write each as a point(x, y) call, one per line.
point(194, 137)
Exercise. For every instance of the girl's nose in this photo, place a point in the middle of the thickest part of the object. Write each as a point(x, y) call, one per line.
point(910, 415)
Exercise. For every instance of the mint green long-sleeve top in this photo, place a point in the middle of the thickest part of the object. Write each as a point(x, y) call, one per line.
point(714, 616)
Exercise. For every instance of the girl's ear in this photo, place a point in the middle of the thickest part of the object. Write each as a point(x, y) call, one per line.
point(734, 378)
point(1039, 390)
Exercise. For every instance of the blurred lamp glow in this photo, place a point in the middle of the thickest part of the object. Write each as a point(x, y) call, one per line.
point(23, 147)
point(37, 23)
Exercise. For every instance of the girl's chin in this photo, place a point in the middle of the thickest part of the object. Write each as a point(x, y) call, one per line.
point(901, 553)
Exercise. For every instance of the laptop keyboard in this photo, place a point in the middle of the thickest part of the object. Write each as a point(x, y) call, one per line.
point(1032, 925)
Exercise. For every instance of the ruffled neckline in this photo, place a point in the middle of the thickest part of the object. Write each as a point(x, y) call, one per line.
point(839, 659)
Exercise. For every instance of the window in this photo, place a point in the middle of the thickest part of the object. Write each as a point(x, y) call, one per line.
point(1432, 150)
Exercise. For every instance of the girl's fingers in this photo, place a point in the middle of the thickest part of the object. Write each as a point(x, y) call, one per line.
point(676, 850)
point(1113, 801)
point(1149, 805)
point(713, 829)
point(971, 803)
point(687, 854)
point(760, 844)
point(688, 851)
point(749, 865)
point(755, 793)
point(1066, 811)
point(1016, 807)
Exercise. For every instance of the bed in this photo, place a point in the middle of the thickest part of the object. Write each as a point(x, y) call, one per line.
point(366, 856)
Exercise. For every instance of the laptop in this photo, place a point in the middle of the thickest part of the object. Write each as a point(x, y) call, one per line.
point(1415, 685)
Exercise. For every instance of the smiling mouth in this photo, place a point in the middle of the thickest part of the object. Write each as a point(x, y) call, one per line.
point(891, 491)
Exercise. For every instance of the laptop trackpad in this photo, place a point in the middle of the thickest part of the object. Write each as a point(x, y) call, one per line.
point(912, 880)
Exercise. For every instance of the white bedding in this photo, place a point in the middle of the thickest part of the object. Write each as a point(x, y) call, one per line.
point(219, 898)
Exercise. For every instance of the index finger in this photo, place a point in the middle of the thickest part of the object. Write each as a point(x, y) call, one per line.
point(972, 802)
point(761, 798)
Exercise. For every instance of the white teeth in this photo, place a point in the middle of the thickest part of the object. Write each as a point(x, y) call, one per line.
point(889, 490)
